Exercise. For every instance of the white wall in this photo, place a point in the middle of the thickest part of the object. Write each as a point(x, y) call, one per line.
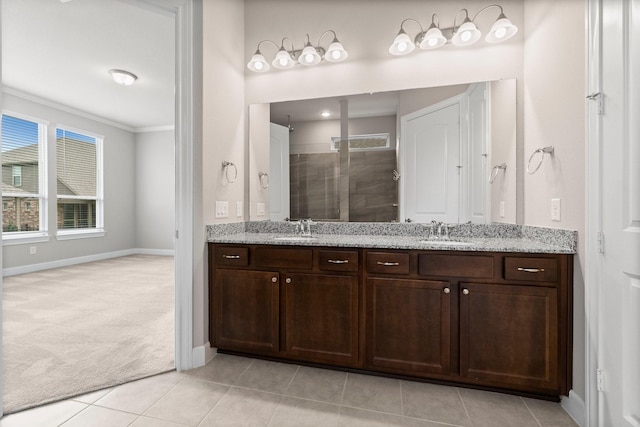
point(155, 190)
point(555, 114)
point(119, 189)
point(223, 133)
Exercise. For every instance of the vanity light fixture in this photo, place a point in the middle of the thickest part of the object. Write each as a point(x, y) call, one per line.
point(465, 33)
point(309, 55)
point(122, 77)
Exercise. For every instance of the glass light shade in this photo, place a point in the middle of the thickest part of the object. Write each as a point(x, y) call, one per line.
point(258, 63)
point(336, 52)
point(433, 38)
point(122, 77)
point(501, 30)
point(402, 44)
point(467, 34)
point(283, 60)
point(309, 56)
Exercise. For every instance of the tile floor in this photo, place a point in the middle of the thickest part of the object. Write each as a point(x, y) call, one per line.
point(238, 391)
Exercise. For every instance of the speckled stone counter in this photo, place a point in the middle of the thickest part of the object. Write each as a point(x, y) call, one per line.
point(465, 237)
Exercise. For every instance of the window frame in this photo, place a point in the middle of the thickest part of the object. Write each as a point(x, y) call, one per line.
point(42, 235)
point(98, 230)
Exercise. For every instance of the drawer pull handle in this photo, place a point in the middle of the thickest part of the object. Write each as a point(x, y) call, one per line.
point(338, 261)
point(531, 270)
point(231, 256)
point(288, 280)
point(388, 264)
point(465, 291)
point(446, 290)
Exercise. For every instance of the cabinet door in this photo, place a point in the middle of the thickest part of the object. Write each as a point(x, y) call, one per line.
point(408, 326)
point(509, 335)
point(247, 310)
point(322, 318)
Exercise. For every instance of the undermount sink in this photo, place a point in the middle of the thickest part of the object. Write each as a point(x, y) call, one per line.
point(447, 243)
point(295, 238)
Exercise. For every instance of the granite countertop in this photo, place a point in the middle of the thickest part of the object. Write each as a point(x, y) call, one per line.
point(476, 244)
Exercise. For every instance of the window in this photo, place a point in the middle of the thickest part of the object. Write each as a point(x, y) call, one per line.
point(24, 175)
point(79, 181)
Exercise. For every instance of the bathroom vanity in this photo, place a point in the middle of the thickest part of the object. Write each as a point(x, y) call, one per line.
point(488, 312)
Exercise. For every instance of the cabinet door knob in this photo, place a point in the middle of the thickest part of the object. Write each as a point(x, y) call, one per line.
point(465, 291)
point(446, 290)
point(288, 280)
point(274, 279)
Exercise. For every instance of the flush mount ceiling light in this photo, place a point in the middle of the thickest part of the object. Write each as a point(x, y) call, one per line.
point(464, 34)
point(122, 77)
point(308, 55)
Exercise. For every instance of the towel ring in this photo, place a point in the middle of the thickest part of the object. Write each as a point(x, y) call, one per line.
point(495, 170)
point(226, 166)
point(264, 179)
point(548, 149)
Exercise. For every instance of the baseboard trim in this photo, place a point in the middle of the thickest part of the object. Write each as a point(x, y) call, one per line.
point(202, 354)
point(575, 407)
point(31, 268)
point(161, 252)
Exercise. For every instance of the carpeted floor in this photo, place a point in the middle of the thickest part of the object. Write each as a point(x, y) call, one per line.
point(72, 330)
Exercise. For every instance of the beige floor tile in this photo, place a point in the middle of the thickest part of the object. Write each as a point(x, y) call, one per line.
point(351, 417)
point(433, 402)
point(549, 414)
point(44, 416)
point(374, 393)
point(324, 385)
point(96, 416)
point(92, 397)
point(305, 413)
point(242, 407)
point(138, 396)
point(188, 402)
point(223, 369)
point(153, 422)
point(268, 376)
point(488, 409)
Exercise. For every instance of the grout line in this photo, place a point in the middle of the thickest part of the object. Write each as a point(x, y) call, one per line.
point(464, 405)
point(399, 416)
point(401, 400)
point(291, 381)
point(214, 406)
point(71, 417)
point(344, 388)
point(531, 412)
point(275, 410)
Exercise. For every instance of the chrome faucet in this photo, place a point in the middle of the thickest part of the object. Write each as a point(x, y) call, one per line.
point(303, 227)
point(438, 231)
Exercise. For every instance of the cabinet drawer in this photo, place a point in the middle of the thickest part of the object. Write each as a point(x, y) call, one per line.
point(229, 255)
point(279, 257)
point(531, 269)
point(388, 263)
point(338, 261)
point(479, 266)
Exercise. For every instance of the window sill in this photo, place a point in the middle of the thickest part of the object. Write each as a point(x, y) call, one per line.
point(9, 239)
point(79, 234)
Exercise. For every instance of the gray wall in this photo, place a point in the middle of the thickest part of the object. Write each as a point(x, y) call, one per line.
point(155, 194)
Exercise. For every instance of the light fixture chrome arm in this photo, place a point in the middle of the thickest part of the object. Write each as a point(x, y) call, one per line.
point(502, 29)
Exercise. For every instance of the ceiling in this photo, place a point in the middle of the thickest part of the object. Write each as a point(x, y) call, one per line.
point(61, 51)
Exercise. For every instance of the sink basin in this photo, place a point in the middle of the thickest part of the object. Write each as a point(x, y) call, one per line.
point(295, 238)
point(446, 243)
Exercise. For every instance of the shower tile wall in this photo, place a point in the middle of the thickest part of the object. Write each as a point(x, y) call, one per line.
point(373, 192)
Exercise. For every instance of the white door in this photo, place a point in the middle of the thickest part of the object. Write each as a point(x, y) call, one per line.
point(278, 172)
point(478, 209)
point(430, 149)
point(619, 287)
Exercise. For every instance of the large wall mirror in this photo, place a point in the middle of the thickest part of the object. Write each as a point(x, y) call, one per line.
point(444, 153)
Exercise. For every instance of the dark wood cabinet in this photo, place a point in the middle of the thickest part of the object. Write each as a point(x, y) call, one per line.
point(247, 310)
point(321, 318)
point(408, 326)
point(494, 320)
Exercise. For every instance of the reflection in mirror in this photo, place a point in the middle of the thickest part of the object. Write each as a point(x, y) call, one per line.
point(412, 155)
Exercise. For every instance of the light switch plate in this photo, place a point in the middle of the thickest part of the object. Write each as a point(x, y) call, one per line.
point(239, 209)
point(555, 209)
point(502, 209)
point(260, 207)
point(222, 209)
